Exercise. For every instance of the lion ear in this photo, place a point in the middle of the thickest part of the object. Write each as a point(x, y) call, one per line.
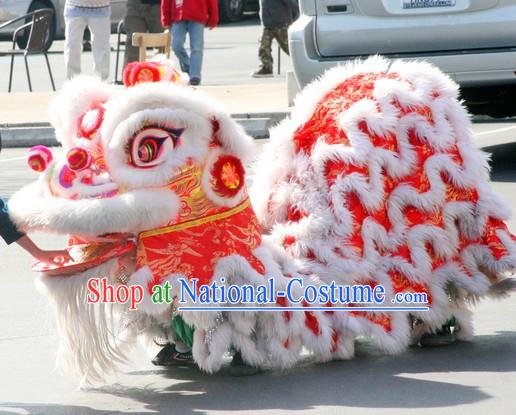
point(230, 135)
point(76, 98)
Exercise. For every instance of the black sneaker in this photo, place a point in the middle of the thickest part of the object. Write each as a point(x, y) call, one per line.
point(169, 356)
point(442, 337)
point(195, 81)
point(262, 73)
point(437, 339)
point(239, 368)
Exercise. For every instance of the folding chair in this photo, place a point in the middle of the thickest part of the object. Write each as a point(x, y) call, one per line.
point(151, 40)
point(120, 31)
point(36, 44)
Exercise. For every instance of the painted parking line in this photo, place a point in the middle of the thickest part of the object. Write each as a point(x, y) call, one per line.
point(498, 130)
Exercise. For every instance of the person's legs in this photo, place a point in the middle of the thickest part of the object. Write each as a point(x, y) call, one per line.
point(153, 18)
point(86, 41)
point(265, 54)
point(74, 32)
point(196, 33)
point(281, 36)
point(100, 28)
point(134, 21)
point(178, 45)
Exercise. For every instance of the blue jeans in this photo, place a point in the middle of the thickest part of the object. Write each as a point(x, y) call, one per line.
point(190, 64)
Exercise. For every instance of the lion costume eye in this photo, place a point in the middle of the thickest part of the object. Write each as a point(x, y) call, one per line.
point(150, 146)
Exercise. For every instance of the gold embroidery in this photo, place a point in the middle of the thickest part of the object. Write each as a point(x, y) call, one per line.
point(196, 222)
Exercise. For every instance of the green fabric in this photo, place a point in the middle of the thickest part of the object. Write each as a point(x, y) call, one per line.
point(183, 331)
point(446, 327)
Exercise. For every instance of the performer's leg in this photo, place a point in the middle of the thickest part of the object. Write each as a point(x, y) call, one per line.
point(173, 355)
point(181, 351)
point(240, 368)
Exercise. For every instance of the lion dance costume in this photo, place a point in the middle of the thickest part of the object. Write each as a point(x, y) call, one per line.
point(373, 179)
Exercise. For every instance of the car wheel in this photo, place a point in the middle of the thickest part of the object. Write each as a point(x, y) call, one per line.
point(231, 10)
point(496, 101)
point(24, 37)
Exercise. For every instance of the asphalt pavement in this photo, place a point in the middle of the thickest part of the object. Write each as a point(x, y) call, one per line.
point(465, 378)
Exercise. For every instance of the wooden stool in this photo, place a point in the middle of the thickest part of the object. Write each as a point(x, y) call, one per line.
point(151, 40)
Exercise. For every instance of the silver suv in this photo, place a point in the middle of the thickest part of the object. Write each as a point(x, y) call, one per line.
point(474, 41)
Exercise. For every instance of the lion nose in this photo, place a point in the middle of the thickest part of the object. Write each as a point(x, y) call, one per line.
point(39, 158)
point(78, 159)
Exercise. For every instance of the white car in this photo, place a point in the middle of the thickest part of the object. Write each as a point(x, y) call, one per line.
point(10, 9)
point(474, 41)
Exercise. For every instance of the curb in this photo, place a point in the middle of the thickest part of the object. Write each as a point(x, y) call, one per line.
point(22, 135)
point(257, 125)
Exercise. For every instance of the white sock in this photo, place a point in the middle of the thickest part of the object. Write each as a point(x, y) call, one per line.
point(181, 347)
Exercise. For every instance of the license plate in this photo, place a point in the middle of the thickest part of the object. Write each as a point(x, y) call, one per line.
point(420, 4)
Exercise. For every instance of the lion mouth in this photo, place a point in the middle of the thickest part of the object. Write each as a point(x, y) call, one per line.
point(82, 185)
point(123, 212)
point(82, 174)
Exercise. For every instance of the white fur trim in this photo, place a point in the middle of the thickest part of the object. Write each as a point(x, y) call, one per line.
point(130, 212)
point(174, 98)
point(69, 105)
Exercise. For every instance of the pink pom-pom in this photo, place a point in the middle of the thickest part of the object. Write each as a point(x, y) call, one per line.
point(39, 158)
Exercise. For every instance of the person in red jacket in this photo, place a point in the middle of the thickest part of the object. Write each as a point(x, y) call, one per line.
point(189, 16)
